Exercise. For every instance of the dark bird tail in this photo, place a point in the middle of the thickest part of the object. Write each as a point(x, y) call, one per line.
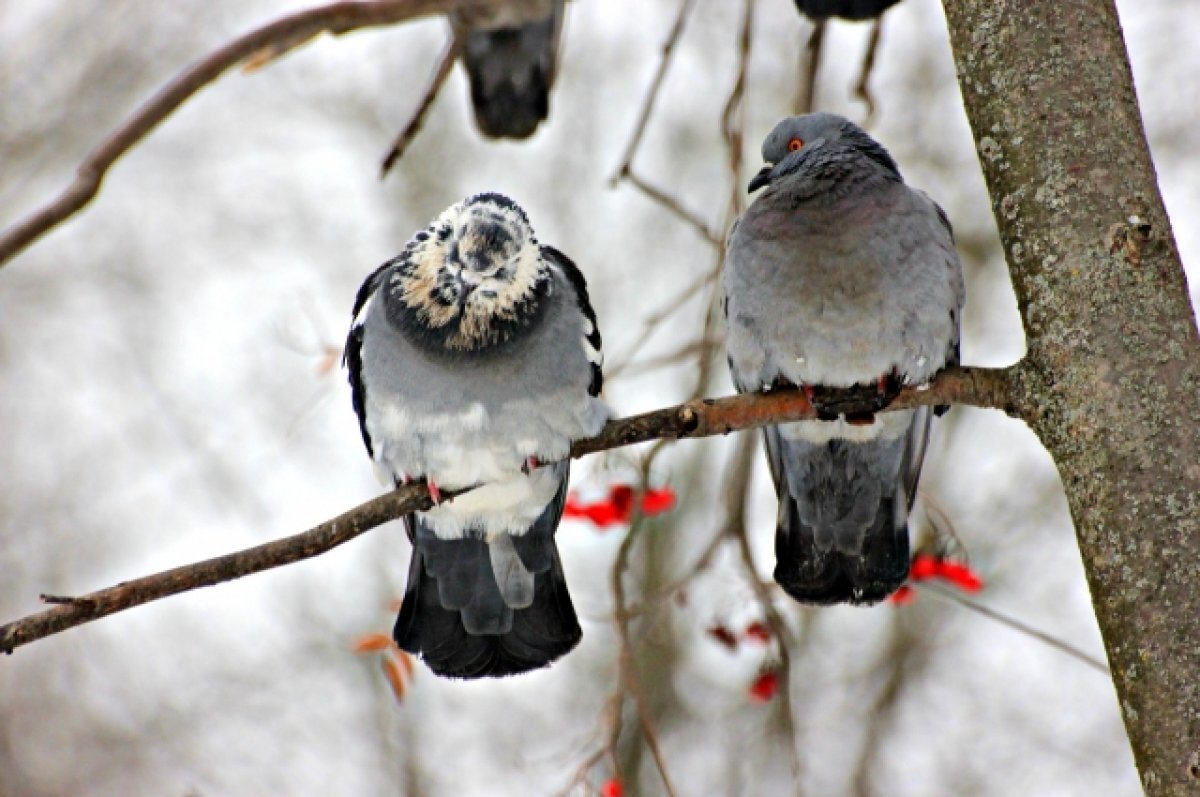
point(474, 609)
point(846, 9)
point(511, 71)
point(842, 528)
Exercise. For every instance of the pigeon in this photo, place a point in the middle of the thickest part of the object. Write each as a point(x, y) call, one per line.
point(510, 53)
point(840, 275)
point(474, 361)
point(856, 10)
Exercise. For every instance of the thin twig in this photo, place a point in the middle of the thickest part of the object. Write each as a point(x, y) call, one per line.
point(733, 125)
point(685, 352)
point(902, 663)
point(736, 496)
point(639, 129)
point(651, 323)
point(611, 720)
point(810, 63)
point(861, 89)
point(445, 65)
point(733, 117)
point(662, 594)
point(697, 418)
point(1016, 625)
point(673, 205)
point(626, 663)
point(256, 47)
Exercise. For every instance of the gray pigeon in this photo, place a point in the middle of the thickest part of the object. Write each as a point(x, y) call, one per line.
point(474, 361)
point(840, 275)
point(511, 56)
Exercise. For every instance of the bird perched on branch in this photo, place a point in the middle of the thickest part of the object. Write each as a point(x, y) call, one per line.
point(474, 361)
point(511, 55)
point(840, 275)
point(820, 12)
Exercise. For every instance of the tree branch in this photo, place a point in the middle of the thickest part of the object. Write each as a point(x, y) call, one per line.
point(406, 136)
point(255, 49)
point(698, 418)
point(668, 51)
point(1110, 380)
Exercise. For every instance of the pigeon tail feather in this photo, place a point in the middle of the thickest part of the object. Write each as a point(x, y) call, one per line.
point(511, 71)
point(842, 528)
point(812, 573)
point(474, 609)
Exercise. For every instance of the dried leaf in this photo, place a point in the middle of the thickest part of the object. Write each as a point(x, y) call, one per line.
point(370, 643)
point(395, 676)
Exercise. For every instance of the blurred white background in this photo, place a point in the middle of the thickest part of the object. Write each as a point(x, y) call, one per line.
point(166, 395)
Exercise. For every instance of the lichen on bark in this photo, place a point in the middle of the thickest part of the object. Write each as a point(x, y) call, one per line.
point(1112, 376)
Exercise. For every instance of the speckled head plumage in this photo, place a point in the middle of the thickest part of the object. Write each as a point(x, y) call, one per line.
point(475, 278)
point(821, 147)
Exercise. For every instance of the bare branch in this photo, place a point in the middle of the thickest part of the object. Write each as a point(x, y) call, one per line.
point(672, 204)
point(733, 125)
point(445, 65)
point(733, 117)
point(979, 387)
point(736, 495)
point(683, 353)
point(72, 611)
point(652, 322)
point(629, 677)
point(254, 48)
point(639, 129)
point(697, 418)
point(861, 89)
point(1016, 625)
point(810, 62)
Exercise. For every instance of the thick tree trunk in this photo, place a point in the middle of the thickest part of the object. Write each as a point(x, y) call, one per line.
point(1111, 383)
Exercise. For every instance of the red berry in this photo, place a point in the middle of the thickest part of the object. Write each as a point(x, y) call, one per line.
point(612, 788)
point(764, 688)
point(758, 632)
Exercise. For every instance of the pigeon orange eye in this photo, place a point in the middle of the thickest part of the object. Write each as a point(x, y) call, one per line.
point(795, 144)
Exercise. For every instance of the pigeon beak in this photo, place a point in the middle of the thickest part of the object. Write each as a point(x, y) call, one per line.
point(466, 286)
point(761, 179)
point(467, 281)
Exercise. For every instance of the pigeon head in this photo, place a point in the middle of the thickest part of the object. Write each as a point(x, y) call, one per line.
point(819, 147)
point(474, 278)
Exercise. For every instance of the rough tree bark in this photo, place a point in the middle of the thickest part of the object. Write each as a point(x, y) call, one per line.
point(1112, 376)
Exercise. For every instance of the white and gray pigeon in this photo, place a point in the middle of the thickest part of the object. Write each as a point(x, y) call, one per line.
point(474, 361)
point(510, 52)
point(840, 275)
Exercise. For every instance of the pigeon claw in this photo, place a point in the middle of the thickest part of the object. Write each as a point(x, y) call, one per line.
point(434, 492)
point(530, 465)
point(817, 400)
point(887, 387)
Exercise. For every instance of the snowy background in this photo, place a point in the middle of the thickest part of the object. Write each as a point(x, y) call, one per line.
point(166, 395)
